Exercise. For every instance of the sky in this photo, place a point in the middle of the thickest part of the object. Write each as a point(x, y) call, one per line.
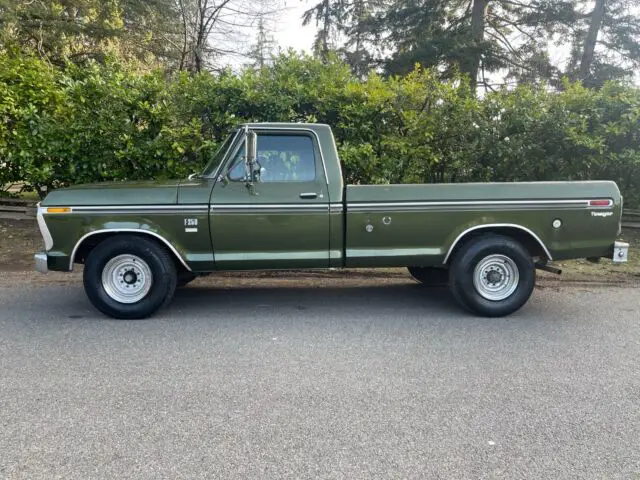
point(284, 26)
point(287, 29)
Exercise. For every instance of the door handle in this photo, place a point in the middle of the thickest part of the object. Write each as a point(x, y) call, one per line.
point(309, 195)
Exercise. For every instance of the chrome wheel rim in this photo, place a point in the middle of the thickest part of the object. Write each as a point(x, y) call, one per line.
point(127, 278)
point(496, 277)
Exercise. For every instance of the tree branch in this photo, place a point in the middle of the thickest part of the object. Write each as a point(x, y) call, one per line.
point(514, 25)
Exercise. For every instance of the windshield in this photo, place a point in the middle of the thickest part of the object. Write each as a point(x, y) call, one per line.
point(219, 155)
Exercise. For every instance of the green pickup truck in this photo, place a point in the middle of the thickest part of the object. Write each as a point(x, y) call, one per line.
point(273, 197)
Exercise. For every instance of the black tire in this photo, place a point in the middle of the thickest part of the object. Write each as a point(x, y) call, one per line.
point(501, 253)
point(430, 276)
point(184, 278)
point(158, 262)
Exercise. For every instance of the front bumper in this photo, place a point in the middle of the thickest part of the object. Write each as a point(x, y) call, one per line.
point(42, 265)
point(620, 252)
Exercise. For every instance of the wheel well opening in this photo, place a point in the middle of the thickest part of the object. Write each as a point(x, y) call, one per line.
point(528, 241)
point(92, 241)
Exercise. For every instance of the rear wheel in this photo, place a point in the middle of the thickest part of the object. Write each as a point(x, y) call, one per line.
point(430, 276)
point(129, 276)
point(492, 276)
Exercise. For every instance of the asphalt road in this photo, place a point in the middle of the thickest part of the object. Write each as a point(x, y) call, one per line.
point(372, 382)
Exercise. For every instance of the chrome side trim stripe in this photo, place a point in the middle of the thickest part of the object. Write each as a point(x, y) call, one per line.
point(129, 230)
point(83, 208)
point(134, 209)
point(266, 206)
point(498, 225)
point(278, 211)
point(272, 211)
point(270, 256)
point(514, 204)
point(454, 208)
point(203, 209)
point(392, 252)
point(473, 202)
point(336, 207)
point(218, 209)
point(145, 207)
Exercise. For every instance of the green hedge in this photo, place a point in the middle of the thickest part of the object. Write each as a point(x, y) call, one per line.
point(96, 123)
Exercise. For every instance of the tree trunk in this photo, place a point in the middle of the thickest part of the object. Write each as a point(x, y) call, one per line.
point(185, 37)
point(326, 30)
point(201, 36)
point(471, 65)
point(597, 17)
point(198, 47)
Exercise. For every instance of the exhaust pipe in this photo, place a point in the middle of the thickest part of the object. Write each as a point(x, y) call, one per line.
point(548, 268)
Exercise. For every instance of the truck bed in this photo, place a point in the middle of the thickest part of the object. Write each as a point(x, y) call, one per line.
point(394, 225)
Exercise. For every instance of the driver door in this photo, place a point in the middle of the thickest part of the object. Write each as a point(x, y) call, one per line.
point(282, 220)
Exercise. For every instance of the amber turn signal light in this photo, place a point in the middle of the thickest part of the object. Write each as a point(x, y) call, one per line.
point(58, 210)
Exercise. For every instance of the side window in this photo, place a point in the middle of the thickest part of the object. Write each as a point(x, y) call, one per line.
point(282, 158)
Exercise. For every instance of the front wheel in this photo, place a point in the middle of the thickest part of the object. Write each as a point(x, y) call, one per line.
point(129, 277)
point(492, 276)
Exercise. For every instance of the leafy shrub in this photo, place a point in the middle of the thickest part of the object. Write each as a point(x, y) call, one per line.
point(98, 123)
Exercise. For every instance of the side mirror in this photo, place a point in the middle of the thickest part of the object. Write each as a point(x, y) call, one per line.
point(251, 146)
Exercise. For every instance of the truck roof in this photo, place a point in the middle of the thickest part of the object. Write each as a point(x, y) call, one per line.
point(288, 125)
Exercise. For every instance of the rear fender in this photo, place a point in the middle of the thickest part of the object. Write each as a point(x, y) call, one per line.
point(534, 240)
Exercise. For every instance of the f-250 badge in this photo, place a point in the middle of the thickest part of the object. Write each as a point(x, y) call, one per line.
point(190, 225)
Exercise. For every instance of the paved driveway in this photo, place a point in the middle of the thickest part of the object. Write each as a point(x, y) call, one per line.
point(369, 382)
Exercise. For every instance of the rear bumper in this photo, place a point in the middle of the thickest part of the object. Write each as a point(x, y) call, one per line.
point(42, 265)
point(620, 252)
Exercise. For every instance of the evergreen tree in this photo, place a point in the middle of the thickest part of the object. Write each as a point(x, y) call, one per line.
point(474, 36)
point(479, 37)
point(263, 49)
point(327, 16)
point(491, 41)
point(605, 41)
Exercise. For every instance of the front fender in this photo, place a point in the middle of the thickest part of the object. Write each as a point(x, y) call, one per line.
point(69, 231)
point(173, 247)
